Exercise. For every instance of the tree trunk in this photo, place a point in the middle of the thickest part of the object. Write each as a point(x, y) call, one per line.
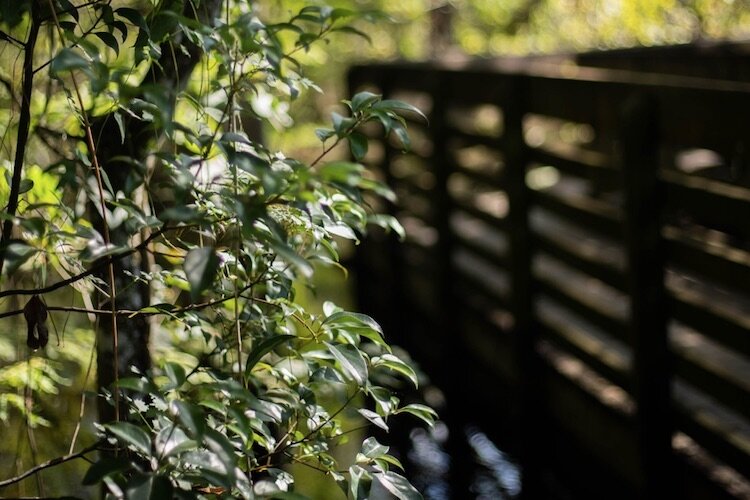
point(171, 72)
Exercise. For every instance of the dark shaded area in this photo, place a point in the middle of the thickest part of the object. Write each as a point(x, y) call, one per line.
point(575, 275)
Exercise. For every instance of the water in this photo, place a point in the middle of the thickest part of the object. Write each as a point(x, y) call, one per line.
point(496, 475)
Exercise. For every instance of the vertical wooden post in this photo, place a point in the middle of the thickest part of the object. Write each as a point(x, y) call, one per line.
point(648, 320)
point(521, 300)
point(449, 334)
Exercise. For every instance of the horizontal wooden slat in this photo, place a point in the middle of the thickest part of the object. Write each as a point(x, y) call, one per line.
point(725, 265)
point(483, 252)
point(696, 370)
point(493, 181)
point(587, 212)
point(576, 404)
point(593, 300)
point(580, 304)
point(497, 296)
point(471, 139)
point(710, 202)
point(577, 257)
point(575, 161)
point(497, 223)
point(487, 342)
point(598, 354)
point(712, 429)
point(712, 318)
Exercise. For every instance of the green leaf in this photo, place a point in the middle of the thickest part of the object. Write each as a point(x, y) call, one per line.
point(148, 487)
point(181, 213)
point(262, 349)
point(358, 145)
point(140, 384)
point(341, 124)
point(343, 172)
point(25, 186)
point(353, 318)
point(402, 135)
point(201, 265)
point(104, 467)
point(394, 363)
point(68, 60)
point(360, 481)
point(176, 375)
point(395, 105)
point(293, 258)
point(372, 449)
point(172, 441)
point(424, 413)
point(362, 100)
point(351, 360)
point(131, 435)
point(131, 15)
point(219, 444)
point(374, 418)
point(324, 133)
point(397, 485)
point(16, 254)
point(109, 39)
point(190, 416)
point(353, 31)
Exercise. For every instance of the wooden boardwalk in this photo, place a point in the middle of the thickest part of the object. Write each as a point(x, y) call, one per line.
point(577, 269)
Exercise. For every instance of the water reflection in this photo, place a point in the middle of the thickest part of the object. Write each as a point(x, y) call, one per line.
point(430, 462)
point(496, 475)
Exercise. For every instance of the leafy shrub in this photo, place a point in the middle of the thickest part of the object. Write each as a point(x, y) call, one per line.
point(140, 114)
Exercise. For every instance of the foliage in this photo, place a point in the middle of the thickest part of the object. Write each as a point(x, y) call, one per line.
point(130, 142)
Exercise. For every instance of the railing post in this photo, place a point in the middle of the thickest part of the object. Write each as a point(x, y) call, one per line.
point(648, 318)
point(451, 351)
point(521, 300)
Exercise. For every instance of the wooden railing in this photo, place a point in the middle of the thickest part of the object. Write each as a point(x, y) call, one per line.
point(576, 274)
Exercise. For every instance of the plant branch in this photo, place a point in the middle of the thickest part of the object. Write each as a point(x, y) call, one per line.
point(9, 38)
point(104, 262)
point(132, 313)
point(24, 123)
point(48, 464)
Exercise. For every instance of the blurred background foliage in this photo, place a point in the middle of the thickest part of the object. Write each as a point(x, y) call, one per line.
point(434, 29)
point(38, 394)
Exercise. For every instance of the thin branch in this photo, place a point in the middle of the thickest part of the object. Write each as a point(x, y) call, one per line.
point(330, 148)
point(96, 267)
point(279, 449)
point(24, 123)
point(9, 38)
point(132, 313)
point(326, 422)
point(47, 465)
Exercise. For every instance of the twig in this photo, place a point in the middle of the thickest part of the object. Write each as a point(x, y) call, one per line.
point(11, 38)
point(91, 270)
point(326, 422)
point(130, 312)
point(82, 406)
point(47, 465)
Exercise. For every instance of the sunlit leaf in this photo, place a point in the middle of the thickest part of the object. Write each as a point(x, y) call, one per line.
point(201, 265)
point(132, 435)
